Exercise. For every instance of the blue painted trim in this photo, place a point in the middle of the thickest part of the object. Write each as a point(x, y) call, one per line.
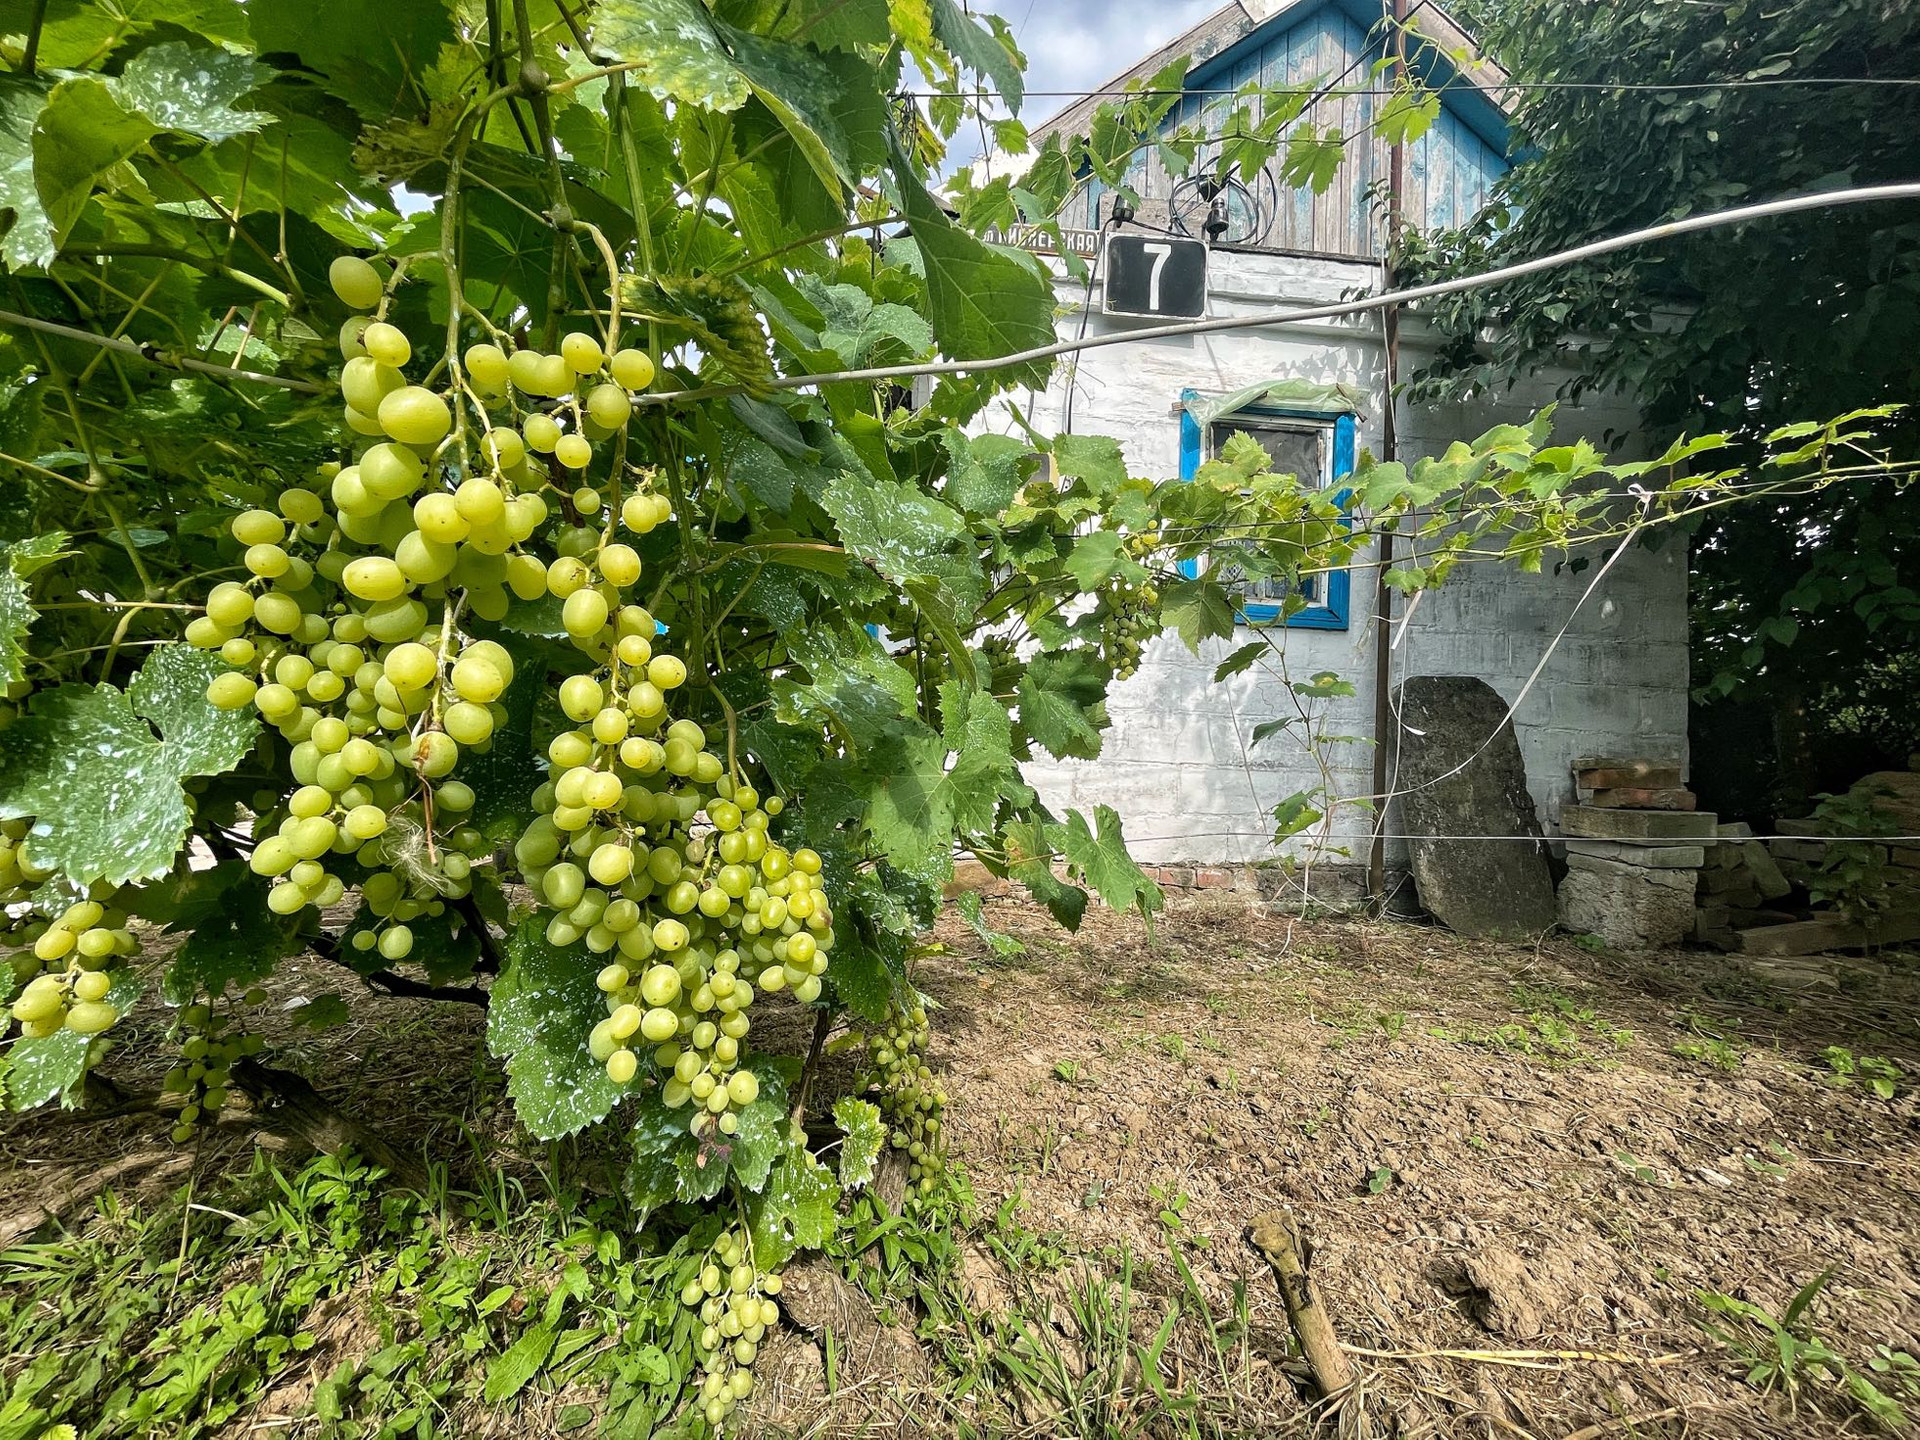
point(1466, 100)
point(1333, 612)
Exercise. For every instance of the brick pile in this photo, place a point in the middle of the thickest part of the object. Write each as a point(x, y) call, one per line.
point(1636, 843)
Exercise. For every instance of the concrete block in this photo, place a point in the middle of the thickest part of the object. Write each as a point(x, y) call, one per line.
point(1678, 881)
point(1629, 907)
point(1590, 823)
point(1651, 857)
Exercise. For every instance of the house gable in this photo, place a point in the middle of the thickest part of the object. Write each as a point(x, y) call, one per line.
point(1312, 43)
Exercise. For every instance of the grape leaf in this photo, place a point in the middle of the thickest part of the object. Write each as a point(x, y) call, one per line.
point(974, 913)
point(1095, 459)
point(171, 691)
point(1240, 660)
point(983, 303)
point(826, 102)
point(909, 536)
point(1101, 858)
point(680, 55)
point(978, 50)
point(863, 976)
point(922, 799)
point(53, 1066)
point(105, 793)
point(984, 473)
point(542, 1007)
point(1060, 695)
point(1099, 556)
point(1200, 610)
point(763, 1127)
point(18, 562)
point(866, 1133)
point(830, 24)
point(28, 243)
point(81, 134)
point(1030, 846)
point(229, 935)
point(796, 1210)
point(191, 89)
point(373, 53)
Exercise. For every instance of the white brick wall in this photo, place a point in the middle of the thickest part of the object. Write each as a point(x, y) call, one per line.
point(1176, 764)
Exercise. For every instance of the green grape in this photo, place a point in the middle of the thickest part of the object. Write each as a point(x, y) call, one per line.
point(356, 282)
point(632, 369)
point(415, 416)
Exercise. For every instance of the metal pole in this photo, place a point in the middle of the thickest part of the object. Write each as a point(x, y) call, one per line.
point(1390, 450)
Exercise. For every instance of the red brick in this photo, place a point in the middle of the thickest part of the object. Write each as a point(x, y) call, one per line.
point(1213, 877)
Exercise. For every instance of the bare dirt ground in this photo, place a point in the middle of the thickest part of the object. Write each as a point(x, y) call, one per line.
point(1496, 1149)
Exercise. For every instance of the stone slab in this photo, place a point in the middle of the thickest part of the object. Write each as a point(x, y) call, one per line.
point(1651, 857)
point(1736, 830)
point(1590, 823)
point(1810, 852)
point(1460, 772)
point(1627, 906)
point(1638, 798)
point(1764, 870)
point(1679, 881)
point(1828, 932)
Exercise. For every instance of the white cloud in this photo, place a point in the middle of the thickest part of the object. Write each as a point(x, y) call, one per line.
point(1075, 45)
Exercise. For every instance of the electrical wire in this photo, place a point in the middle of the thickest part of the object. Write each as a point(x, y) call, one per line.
point(1653, 86)
point(1285, 315)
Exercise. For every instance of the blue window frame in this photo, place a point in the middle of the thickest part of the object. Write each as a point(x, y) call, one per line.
point(1329, 596)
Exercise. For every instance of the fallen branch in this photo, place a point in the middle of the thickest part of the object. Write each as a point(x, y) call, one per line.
point(69, 1195)
point(288, 1105)
point(1276, 1236)
point(1522, 1359)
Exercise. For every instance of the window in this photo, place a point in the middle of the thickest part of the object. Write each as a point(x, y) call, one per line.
point(1317, 448)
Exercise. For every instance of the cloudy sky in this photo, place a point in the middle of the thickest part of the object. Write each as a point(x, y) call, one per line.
point(1078, 44)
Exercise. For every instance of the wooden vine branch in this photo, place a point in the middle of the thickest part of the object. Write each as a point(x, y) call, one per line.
point(1276, 1237)
point(289, 1106)
point(153, 355)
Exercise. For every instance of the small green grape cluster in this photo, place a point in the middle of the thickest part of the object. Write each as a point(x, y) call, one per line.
point(203, 1073)
point(912, 1100)
point(18, 872)
point(68, 971)
point(736, 1305)
point(1128, 616)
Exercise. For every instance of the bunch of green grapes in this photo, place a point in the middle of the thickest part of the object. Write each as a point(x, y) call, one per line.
point(347, 637)
point(69, 970)
point(1128, 616)
point(208, 1050)
point(648, 847)
point(19, 877)
point(736, 1305)
point(910, 1097)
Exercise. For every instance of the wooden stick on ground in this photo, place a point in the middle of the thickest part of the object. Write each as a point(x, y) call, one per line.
point(1276, 1235)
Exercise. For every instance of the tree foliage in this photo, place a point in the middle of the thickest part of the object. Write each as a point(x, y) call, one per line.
point(1632, 113)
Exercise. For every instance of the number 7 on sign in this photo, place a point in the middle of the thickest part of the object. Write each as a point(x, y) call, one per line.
point(1161, 253)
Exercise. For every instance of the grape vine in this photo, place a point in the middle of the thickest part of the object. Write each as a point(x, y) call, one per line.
point(449, 596)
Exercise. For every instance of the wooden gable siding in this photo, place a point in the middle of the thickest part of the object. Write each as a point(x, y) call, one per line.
point(1449, 170)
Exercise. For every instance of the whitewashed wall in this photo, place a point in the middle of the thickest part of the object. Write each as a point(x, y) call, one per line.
point(1178, 764)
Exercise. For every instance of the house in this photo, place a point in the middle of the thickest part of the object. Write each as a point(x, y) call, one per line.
point(1180, 764)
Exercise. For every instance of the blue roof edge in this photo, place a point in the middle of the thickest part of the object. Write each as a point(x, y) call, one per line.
point(1462, 97)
